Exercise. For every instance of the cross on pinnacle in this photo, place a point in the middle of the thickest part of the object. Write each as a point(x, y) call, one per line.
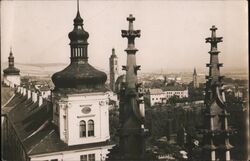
point(213, 29)
point(131, 34)
point(213, 40)
point(130, 19)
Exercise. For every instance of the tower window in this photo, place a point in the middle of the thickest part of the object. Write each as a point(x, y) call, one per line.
point(82, 128)
point(91, 128)
point(115, 62)
point(83, 157)
point(91, 157)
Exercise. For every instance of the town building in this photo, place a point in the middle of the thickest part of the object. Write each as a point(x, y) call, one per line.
point(179, 91)
point(73, 125)
point(113, 69)
point(11, 74)
point(155, 96)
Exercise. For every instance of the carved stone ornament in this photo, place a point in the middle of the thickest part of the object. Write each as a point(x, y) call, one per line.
point(101, 103)
point(86, 110)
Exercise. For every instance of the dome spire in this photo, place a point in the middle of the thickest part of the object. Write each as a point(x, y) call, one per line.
point(11, 70)
point(77, 5)
point(78, 40)
point(79, 75)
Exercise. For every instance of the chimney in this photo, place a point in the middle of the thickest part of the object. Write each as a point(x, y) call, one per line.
point(24, 91)
point(18, 89)
point(28, 93)
point(34, 96)
point(21, 90)
point(40, 101)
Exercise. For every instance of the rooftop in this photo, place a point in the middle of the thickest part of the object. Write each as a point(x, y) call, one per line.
point(34, 128)
point(155, 91)
point(174, 88)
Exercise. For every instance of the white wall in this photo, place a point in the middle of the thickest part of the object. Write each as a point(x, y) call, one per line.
point(181, 94)
point(71, 106)
point(156, 98)
point(12, 79)
point(100, 154)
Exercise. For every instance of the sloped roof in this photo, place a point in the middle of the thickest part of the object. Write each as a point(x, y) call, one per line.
point(155, 91)
point(174, 88)
point(34, 128)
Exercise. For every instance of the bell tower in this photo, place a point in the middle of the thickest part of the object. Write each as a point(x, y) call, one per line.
point(80, 98)
point(11, 74)
point(113, 69)
point(195, 81)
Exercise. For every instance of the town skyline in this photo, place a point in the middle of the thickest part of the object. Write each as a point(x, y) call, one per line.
point(170, 36)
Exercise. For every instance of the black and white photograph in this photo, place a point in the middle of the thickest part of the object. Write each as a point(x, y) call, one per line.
point(124, 80)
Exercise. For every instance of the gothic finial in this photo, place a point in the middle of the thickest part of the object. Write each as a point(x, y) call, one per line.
point(130, 19)
point(213, 29)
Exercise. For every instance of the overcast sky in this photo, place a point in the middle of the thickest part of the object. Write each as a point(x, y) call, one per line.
point(172, 32)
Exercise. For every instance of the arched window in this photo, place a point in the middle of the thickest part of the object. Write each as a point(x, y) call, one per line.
point(82, 128)
point(91, 128)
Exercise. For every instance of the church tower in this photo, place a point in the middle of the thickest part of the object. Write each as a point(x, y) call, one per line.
point(11, 74)
point(216, 144)
point(113, 69)
point(80, 98)
point(132, 133)
point(195, 81)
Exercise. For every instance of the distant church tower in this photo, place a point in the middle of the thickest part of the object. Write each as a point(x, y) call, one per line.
point(195, 81)
point(113, 69)
point(11, 74)
point(80, 99)
point(216, 144)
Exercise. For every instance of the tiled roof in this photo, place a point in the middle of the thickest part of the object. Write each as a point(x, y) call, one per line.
point(174, 88)
point(33, 126)
point(44, 88)
point(156, 91)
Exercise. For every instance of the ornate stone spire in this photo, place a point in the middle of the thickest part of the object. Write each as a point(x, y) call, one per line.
point(216, 136)
point(131, 111)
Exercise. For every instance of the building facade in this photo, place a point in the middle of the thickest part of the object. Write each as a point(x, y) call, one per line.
point(155, 96)
point(179, 91)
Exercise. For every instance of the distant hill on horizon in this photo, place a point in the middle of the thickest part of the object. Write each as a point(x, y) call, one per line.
point(47, 69)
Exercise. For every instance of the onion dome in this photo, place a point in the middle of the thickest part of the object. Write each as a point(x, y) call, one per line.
point(11, 70)
point(79, 75)
point(78, 35)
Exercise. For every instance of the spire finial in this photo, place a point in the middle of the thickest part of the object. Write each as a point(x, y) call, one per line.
point(11, 51)
point(77, 5)
point(194, 71)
